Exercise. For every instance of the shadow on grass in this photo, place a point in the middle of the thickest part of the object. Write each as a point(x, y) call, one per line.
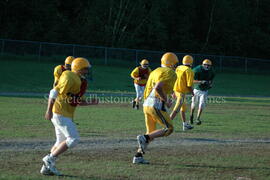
point(208, 140)
point(224, 167)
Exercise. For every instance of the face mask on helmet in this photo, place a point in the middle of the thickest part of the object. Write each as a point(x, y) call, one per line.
point(206, 67)
point(175, 66)
point(145, 66)
point(68, 66)
point(86, 73)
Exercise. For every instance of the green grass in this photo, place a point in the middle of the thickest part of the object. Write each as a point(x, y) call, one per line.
point(37, 76)
point(194, 162)
point(28, 76)
point(229, 119)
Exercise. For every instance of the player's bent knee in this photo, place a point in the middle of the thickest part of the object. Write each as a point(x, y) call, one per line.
point(168, 131)
point(72, 142)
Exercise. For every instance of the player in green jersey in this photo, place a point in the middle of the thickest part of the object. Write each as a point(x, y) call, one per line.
point(203, 80)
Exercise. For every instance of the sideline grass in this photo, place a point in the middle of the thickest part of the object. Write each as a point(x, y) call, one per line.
point(30, 76)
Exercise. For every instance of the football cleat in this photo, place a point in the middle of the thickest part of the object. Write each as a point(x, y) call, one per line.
point(133, 104)
point(137, 106)
point(142, 143)
point(139, 160)
point(49, 163)
point(198, 122)
point(187, 127)
point(45, 171)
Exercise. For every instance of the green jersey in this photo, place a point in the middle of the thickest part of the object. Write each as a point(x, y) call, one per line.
point(201, 74)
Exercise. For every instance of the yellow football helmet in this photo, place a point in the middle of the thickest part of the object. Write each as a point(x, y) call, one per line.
point(69, 60)
point(207, 61)
point(79, 64)
point(144, 62)
point(169, 59)
point(187, 60)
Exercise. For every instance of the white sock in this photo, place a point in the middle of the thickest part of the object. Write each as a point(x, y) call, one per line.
point(52, 156)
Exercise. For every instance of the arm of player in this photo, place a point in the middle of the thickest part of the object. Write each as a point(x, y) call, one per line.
point(163, 97)
point(196, 81)
point(135, 74)
point(200, 81)
point(191, 90)
point(57, 73)
point(51, 100)
point(190, 80)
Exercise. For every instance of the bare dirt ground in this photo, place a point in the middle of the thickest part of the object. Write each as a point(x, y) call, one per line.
point(94, 143)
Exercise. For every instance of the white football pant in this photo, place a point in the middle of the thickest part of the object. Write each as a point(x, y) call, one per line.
point(65, 129)
point(199, 96)
point(139, 91)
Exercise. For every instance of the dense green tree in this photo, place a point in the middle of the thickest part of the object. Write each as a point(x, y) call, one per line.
point(225, 27)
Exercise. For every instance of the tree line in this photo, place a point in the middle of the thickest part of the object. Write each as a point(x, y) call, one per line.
point(222, 27)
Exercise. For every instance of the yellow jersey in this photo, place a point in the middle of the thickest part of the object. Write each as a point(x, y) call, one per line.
point(142, 73)
point(162, 74)
point(58, 70)
point(185, 77)
point(69, 84)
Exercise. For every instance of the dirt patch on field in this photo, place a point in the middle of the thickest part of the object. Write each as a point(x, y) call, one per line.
point(102, 143)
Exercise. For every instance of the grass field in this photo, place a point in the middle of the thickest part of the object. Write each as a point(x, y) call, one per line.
point(232, 143)
point(31, 76)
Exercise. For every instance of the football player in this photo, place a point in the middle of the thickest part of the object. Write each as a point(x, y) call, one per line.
point(58, 70)
point(183, 85)
point(157, 95)
point(63, 99)
point(203, 79)
point(140, 75)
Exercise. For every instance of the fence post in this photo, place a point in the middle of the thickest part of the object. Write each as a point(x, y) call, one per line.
point(220, 63)
point(39, 51)
point(106, 56)
point(3, 46)
point(246, 65)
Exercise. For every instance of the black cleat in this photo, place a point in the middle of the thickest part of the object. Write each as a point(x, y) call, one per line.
point(198, 122)
point(133, 104)
point(187, 127)
point(137, 106)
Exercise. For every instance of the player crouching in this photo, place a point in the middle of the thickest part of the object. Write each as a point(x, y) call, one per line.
point(63, 99)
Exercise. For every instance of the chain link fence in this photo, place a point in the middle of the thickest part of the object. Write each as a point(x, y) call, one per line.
point(44, 51)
